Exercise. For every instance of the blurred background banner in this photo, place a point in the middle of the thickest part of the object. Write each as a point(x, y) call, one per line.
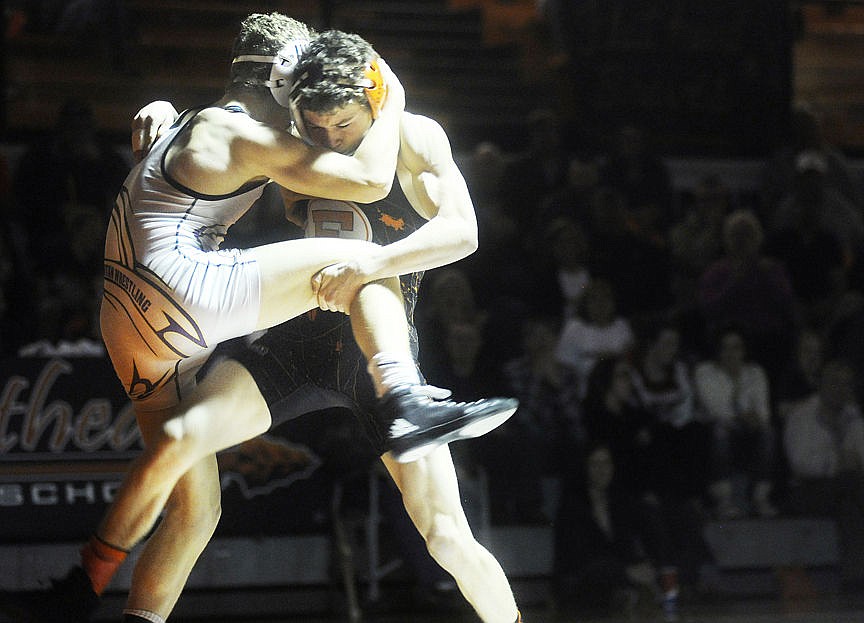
point(67, 433)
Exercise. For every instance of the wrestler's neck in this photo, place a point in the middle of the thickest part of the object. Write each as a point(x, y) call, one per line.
point(260, 106)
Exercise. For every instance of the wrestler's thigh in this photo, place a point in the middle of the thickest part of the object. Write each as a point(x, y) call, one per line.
point(226, 408)
point(287, 269)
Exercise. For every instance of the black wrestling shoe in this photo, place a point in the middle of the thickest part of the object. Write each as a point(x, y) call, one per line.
point(417, 424)
point(69, 600)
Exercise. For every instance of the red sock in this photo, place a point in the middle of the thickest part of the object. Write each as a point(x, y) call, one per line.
point(669, 581)
point(101, 561)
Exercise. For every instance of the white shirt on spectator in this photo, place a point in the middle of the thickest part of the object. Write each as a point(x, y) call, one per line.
point(673, 406)
point(813, 449)
point(581, 343)
point(723, 397)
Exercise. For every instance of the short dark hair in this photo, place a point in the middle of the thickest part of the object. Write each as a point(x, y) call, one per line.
point(264, 34)
point(329, 69)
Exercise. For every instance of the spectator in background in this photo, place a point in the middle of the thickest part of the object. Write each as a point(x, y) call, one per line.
point(811, 200)
point(695, 241)
point(484, 171)
point(536, 172)
point(573, 199)
point(696, 238)
point(603, 537)
point(800, 378)
point(824, 443)
point(661, 375)
point(545, 435)
point(636, 170)
point(734, 395)
point(562, 22)
point(597, 331)
point(751, 291)
point(71, 167)
point(463, 365)
point(817, 234)
point(612, 415)
point(449, 300)
point(498, 274)
point(806, 138)
point(664, 387)
point(842, 327)
point(637, 266)
point(569, 252)
point(63, 191)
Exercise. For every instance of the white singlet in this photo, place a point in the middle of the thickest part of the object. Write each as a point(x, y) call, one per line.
point(170, 294)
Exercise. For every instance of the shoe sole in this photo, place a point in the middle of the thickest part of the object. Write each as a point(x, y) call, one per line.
point(477, 428)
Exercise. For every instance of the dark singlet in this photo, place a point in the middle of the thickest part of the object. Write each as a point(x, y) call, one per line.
point(312, 362)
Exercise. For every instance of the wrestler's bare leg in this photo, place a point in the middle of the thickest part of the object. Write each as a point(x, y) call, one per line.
point(378, 318)
point(225, 409)
point(430, 492)
point(222, 411)
point(187, 525)
point(287, 294)
point(178, 471)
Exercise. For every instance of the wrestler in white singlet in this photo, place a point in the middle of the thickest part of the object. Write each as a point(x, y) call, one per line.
point(170, 294)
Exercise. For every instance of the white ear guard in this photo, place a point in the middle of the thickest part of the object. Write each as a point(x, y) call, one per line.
point(281, 71)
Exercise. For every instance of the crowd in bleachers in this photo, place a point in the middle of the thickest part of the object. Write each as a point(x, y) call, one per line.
point(59, 193)
point(704, 345)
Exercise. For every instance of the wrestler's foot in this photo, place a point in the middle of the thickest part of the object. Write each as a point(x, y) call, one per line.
point(417, 424)
point(69, 600)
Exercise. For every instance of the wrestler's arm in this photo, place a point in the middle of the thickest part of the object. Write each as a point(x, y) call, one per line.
point(366, 176)
point(155, 118)
point(235, 149)
point(437, 190)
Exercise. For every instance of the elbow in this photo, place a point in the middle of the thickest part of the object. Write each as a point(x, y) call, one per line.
point(471, 237)
point(464, 238)
point(471, 243)
point(467, 243)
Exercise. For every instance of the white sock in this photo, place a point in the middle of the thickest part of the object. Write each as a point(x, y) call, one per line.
point(390, 370)
point(133, 614)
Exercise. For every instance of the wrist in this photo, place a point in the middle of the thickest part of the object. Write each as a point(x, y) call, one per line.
point(372, 267)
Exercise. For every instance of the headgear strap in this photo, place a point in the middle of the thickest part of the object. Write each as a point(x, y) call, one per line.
point(281, 71)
